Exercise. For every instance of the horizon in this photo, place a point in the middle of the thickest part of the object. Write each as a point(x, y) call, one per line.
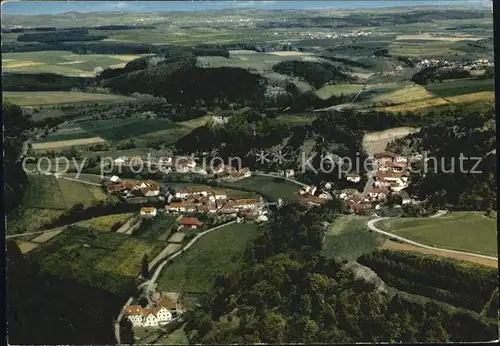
point(32, 8)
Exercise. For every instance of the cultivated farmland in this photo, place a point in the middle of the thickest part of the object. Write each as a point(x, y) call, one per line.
point(106, 260)
point(62, 62)
point(38, 98)
point(455, 87)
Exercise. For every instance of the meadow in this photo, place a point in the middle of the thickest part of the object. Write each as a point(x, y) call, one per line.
point(118, 129)
point(267, 186)
point(155, 229)
point(105, 223)
point(107, 260)
point(463, 231)
point(46, 199)
point(42, 98)
point(455, 87)
point(348, 238)
point(62, 62)
point(214, 254)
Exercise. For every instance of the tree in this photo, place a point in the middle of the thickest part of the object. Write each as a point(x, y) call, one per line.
point(273, 327)
point(145, 267)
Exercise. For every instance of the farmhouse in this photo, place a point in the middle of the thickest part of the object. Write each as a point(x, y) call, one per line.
point(192, 191)
point(190, 222)
point(245, 204)
point(220, 194)
point(148, 212)
point(289, 173)
point(176, 207)
point(238, 175)
point(314, 201)
point(385, 157)
point(377, 193)
point(160, 314)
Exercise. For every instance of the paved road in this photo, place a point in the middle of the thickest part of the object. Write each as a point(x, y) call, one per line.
point(371, 226)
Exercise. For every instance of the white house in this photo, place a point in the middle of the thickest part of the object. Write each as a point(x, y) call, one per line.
point(325, 195)
point(148, 212)
point(401, 159)
point(163, 315)
point(289, 173)
point(115, 179)
point(220, 194)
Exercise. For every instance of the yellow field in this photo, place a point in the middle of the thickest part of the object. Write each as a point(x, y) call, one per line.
point(194, 123)
point(416, 105)
point(37, 98)
point(70, 143)
point(429, 37)
point(410, 93)
point(26, 247)
point(44, 237)
point(64, 63)
point(18, 64)
point(287, 53)
point(473, 97)
point(104, 223)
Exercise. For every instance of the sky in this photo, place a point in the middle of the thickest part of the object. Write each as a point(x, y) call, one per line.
point(56, 7)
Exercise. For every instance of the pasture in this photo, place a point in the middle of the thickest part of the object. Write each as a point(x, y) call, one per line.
point(119, 129)
point(63, 62)
point(105, 223)
point(485, 96)
point(463, 231)
point(107, 260)
point(348, 239)
point(42, 98)
point(214, 254)
point(455, 87)
point(47, 198)
point(157, 228)
point(268, 186)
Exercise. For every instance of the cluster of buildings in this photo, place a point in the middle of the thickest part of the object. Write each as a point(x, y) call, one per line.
point(132, 188)
point(390, 177)
point(333, 35)
point(159, 314)
point(313, 196)
point(184, 164)
point(202, 200)
point(467, 65)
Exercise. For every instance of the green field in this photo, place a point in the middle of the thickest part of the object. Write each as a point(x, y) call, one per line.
point(38, 98)
point(47, 198)
point(106, 260)
point(118, 129)
point(62, 62)
point(104, 223)
point(196, 269)
point(462, 231)
point(348, 238)
point(453, 87)
point(337, 89)
point(159, 227)
point(267, 186)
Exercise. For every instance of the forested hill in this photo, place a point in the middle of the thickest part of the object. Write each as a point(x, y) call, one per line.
point(286, 292)
point(470, 187)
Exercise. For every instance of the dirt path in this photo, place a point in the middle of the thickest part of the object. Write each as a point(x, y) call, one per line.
point(392, 245)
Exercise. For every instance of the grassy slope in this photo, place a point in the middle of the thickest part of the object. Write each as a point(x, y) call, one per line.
point(268, 186)
point(348, 239)
point(195, 270)
point(46, 199)
point(463, 231)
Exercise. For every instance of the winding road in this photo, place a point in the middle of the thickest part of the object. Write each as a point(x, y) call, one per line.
point(371, 225)
point(149, 284)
